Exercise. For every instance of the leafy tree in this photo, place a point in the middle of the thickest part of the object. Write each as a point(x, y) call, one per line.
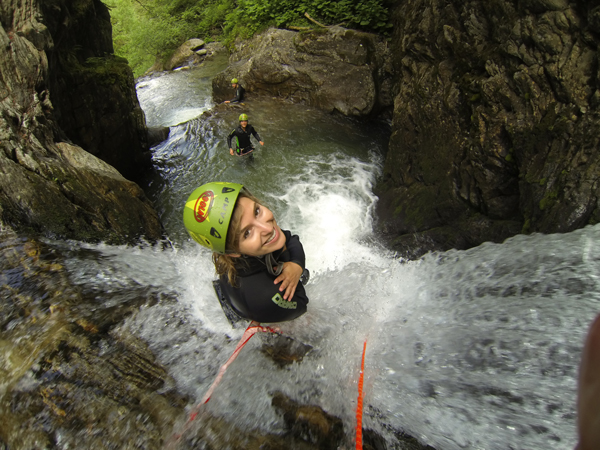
point(148, 30)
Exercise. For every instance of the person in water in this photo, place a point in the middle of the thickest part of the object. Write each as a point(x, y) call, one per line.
point(242, 133)
point(261, 267)
point(239, 92)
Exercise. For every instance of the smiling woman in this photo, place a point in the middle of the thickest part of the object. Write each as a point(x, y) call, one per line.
point(260, 266)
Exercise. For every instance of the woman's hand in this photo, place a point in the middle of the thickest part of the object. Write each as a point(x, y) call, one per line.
point(289, 278)
point(231, 151)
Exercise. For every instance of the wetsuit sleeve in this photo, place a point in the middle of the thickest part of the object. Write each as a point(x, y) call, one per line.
point(294, 249)
point(257, 298)
point(230, 138)
point(252, 131)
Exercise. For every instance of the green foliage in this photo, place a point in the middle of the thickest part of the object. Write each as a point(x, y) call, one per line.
point(147, 30)
point(252, 16)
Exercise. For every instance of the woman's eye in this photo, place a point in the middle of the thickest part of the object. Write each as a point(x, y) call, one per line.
point(246, 234)
point(257, 210)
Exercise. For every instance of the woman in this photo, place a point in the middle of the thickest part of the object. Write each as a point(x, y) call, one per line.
point(259, 264)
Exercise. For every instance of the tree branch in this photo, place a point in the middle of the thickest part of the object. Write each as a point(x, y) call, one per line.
point(313, 20)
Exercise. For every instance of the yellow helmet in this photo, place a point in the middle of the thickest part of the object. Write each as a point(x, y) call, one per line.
point(208, 211)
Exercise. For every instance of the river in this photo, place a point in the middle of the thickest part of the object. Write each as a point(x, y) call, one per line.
point(475, 349)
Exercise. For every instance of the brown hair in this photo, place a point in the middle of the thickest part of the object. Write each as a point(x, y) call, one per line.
point(225, 263)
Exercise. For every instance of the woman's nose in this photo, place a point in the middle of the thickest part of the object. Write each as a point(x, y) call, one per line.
point(265, 227)
point(266, 223)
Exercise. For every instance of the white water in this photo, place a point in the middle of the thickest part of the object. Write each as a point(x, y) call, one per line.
point(473, 349)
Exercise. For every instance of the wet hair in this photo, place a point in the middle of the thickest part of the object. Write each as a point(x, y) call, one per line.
point(225, 264)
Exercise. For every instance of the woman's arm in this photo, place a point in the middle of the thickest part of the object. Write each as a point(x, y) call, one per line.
point(293, 265)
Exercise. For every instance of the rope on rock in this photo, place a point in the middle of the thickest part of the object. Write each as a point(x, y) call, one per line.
point(252, 329)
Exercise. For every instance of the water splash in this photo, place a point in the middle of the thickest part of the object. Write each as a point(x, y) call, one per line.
point(467, 349)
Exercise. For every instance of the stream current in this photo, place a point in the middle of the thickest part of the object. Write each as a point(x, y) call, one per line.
point(474, 349)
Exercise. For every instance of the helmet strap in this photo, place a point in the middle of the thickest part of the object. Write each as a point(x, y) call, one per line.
point(274, 267)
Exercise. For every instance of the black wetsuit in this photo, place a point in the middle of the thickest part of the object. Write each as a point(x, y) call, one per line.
point(243, 144)
point(239, 94)
point(256, 297)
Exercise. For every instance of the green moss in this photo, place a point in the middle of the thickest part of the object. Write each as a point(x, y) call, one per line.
point(509, 158)
point(109, 71)
point(526, 227)
point(548, 200)
point(543, 181)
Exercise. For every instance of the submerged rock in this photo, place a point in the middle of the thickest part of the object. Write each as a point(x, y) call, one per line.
point(74, 373)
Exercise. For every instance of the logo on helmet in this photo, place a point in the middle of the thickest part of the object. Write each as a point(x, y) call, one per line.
point(203, 206)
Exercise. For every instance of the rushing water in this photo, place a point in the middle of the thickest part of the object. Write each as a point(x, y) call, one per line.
point(465, 349)
point(474, 349)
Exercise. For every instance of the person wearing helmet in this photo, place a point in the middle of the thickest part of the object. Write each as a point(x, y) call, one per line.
point(261, 268)
point(239, 92)
point(242, 133)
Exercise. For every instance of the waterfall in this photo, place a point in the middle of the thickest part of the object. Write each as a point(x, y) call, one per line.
point(466, 349)
point(475, 349)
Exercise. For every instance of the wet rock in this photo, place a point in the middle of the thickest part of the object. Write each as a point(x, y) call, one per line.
point(156, 135)
point(310, 424)
point(187, 54)
point(495, 123)
point(70, 377)
point(284, 350)
point(332, 68)
point(187, 58)
point(92, 91)
point(65, 94)
point(64, 192)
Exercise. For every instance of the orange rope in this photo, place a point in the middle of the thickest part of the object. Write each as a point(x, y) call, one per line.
point(250, 331)
point(359, 406)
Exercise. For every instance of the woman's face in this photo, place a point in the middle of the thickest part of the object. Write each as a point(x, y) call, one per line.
point(259, 233)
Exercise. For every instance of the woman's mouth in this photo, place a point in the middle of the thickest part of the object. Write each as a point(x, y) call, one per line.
point(273, 236)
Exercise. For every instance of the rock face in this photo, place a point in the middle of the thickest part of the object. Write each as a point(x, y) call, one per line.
point(93, 92)
point(190, 52)
point(496, 122)
point(48, 184)
point(333, 68)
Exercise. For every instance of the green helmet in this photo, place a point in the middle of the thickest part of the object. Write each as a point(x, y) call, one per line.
point(234, 81)
point(208, 211)
point(243, 117)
